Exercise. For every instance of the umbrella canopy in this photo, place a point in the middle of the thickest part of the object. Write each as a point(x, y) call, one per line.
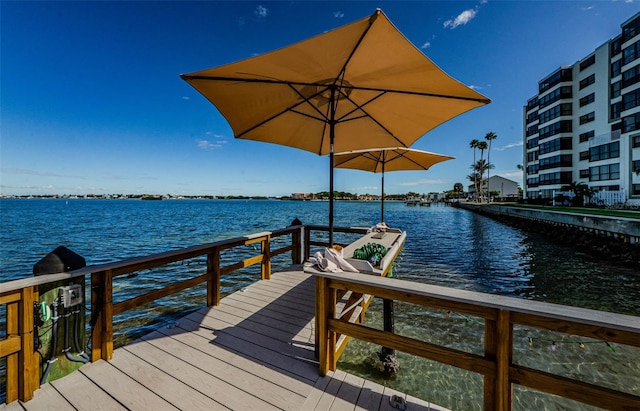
point(359, 86)
point(389, 159)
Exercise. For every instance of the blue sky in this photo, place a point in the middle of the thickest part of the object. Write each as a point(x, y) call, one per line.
point(91, 100)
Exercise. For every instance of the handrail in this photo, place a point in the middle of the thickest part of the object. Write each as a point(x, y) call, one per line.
point(19, 297)
point(500, 314)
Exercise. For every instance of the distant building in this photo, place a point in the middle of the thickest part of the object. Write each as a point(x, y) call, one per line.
point(584, 123)
point(303, 196)
point(504, 187)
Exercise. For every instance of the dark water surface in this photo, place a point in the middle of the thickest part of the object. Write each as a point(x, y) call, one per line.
point(445, 246)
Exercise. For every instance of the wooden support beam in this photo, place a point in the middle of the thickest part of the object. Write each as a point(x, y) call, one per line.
point(265, 269)
point(28, 365)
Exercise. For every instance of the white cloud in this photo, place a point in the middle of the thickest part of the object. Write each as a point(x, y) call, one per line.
point(421, 182)
point(472, 87)
point(512, 174)
point(261, 11)
point(462, 18)
point(426, 45)
point(338, 14)
point(22, 171)
point(508, 146)
point(210, 145)
point(186, 98)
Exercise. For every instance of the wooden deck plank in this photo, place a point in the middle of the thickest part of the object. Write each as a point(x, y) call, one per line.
point(370, 397)
point(306, 369)
point(12, 406)
point(283, 378)
point(90, 397)
point(318, 389)
point(171, 389)
point(328, 396)
point(348, 393)
point(47, 398)
point(201, 371)
point(260, 323)
point(123, 388)
point(223, 325)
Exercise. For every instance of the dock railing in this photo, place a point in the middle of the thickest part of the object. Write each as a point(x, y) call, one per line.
point(500, 314)
point(19, 297)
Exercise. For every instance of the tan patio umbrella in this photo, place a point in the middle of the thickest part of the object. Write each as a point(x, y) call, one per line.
point(359, 86)
point(388, 159)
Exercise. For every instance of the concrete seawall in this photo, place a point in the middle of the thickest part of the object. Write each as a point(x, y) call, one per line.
point(627, 229)
point(613, 238)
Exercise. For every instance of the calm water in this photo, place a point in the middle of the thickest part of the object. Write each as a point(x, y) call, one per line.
point(445, 246)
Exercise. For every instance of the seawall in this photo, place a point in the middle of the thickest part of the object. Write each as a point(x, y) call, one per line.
point(613, 238)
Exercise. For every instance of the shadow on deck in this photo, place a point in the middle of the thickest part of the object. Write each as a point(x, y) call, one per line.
point(253, 351)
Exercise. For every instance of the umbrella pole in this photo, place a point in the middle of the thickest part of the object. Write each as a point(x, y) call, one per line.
point(332, 131)
point(382, 199)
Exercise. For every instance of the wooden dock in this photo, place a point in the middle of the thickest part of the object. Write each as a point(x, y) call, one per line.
point(255, 351)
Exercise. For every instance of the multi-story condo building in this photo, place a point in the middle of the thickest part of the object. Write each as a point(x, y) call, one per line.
point(584, 124)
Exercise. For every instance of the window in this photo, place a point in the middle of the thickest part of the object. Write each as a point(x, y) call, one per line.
point(533, 103)
point(631, 123)
point(563, 160)
point(565, 109)
point(556, 78)
point(555, 95)
point(631, 30)
point(631, 100)
point(605, 172)
point(584, 155)
point(615, 89)
point(587, 118)
point(635, 189)
point(533, 156)
point(563, 126)
point(584, 173)
point(605, 151)
point(533, 169)
point(587, 81)
point(631, 53)
point(559, 177)
point(615, 47)
point(631, 76)
point(635, 142)
point(534, 181)
point(589, 61)
point(586, 136)
point(615, 110)
point(531, 117)
point(563, 143)
point(532, 143)
point(587, 99)
point(615, 68)
point(635, 166)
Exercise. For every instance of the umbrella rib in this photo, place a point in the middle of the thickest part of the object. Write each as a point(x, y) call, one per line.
point(292, 109)
point(295, 83)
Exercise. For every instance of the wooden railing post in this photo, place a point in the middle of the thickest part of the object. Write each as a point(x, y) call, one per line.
point(28, 370)
point(325, 339)
point(265, 269)
point(498, 390)
point(296, 243)
point(102, 309)
point(12, 359)
point(307, 243)
point(213, 277)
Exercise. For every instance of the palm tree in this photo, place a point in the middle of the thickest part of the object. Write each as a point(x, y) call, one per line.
point(474, 145)
point(489, 137)
point(482, 145)
point(458, 188)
